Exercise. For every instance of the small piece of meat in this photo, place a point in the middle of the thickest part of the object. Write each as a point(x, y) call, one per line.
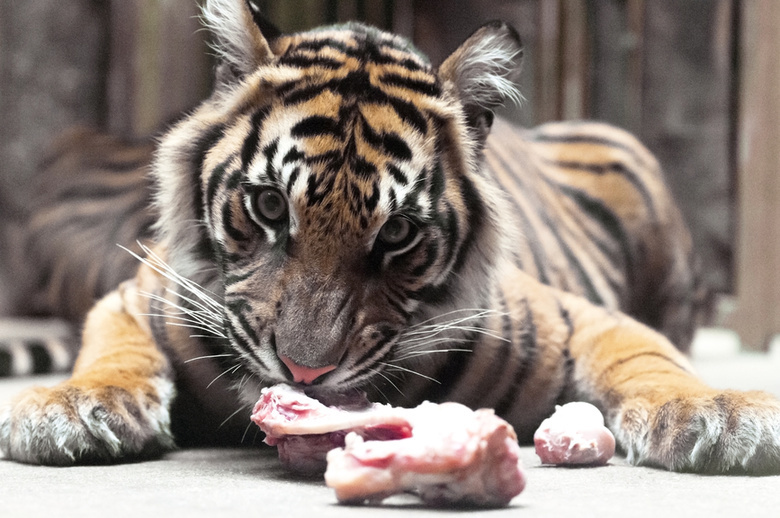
point(574, 435)
point(447, 453)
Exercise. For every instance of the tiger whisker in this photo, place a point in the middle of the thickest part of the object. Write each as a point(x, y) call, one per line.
point(231, 369)
point(380, 373)
point(435, 332)
point(415, 354)
point(211, 325)
point(478, 313)
point(185, 322)
point(228, 418)
point(204, 310)
point(208, 330)
point(154, 262)
point(227, 355)
point(213, 318)
point(410, 371)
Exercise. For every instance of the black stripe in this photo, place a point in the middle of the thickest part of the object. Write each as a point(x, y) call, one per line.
point(203, 144)
point(304, 94)
point(527, 351)
point(249, 148)
point(390, 143)
point(301, 61)
point(431, 254)
point(451, 228)
point(475, 219)
point(606, 219)
point(234, 279)
point(316, 125)
point(565, 394)
point(269, 152)
point(293, 177)
point(588, 139)
point(395, 146)
point(216, 177)
point(566, 317)
point(319, 44)
point(227, 223)
point(590, 291)
point(378, 346)
point(363, 168)
point(409, 114)
point(358, 85)
point(293, 155)
point(424, 87)
point(612, 167)
point(242, 345)
point(397, 174)
point(500, 363)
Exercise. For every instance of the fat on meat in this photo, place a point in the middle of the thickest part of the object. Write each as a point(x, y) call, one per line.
point(574, 435)
point(446, 453)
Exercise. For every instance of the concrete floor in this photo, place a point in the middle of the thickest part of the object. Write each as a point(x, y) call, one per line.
point(236, 482)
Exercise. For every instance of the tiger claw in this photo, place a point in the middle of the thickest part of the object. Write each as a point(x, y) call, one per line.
point(68, 424)
point(730, 432)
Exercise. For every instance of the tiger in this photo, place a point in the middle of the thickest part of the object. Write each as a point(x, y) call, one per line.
point(342, 216)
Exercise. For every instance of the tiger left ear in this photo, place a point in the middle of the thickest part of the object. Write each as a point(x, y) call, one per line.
point(241, 35)
point(484, 70)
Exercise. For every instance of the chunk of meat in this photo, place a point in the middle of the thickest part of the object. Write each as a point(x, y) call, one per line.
point(574, 435)
point(304, 430)
point(454, 456)
point(447, 453)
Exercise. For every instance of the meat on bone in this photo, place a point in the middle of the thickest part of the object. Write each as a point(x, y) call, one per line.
point(574, 435)
point(446, 453)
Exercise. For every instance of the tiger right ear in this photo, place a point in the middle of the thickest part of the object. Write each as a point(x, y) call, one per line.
point(241, 35)
point(484, 70)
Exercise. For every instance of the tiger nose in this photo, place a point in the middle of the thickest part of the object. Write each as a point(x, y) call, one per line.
point(303, 374)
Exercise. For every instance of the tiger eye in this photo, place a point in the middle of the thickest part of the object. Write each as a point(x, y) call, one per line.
point(271, 205)
point(395, 231)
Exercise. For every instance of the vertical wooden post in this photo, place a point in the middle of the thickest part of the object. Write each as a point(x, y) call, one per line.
point(575, 61)
point(159, 65)
point(757, 315)
point(548, 62)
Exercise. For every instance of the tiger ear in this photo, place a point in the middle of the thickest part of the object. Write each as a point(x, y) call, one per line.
point(484, 70)
point(241, 36)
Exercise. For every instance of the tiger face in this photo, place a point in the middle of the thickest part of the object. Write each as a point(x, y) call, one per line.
point(340, 196)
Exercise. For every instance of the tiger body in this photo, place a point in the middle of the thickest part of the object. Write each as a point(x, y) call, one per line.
point(336, 216)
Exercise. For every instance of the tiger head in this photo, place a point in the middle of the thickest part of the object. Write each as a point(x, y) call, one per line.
point(331, 190)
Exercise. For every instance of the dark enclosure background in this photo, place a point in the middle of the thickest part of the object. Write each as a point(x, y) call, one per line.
point(694, 79)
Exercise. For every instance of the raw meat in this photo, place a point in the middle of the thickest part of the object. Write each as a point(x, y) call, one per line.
point(304, 430)
point(454, 456)
point(446, 453)
point(574, 435)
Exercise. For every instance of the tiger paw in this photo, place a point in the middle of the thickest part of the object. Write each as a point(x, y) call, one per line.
point(70, 424)
point(727, 432)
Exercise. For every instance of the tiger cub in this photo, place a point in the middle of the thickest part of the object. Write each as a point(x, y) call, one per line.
point(341, 215)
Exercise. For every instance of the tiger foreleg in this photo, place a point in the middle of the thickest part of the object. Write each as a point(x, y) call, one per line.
point(114, 406)
point(662, 414)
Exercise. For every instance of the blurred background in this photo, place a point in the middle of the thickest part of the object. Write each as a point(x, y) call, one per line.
point(696, 80)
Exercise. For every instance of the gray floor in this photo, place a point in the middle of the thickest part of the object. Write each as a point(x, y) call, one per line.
point(236, 482)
